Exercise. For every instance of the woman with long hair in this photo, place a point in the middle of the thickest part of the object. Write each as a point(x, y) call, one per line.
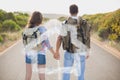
point(35, 22)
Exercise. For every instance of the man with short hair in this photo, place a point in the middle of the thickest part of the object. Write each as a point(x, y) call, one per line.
point(76, 43)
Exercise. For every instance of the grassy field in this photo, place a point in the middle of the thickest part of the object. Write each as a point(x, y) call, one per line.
point(9, 39)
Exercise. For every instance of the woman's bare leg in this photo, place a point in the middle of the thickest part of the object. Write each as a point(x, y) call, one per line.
point(28, 71)
point(41, 72)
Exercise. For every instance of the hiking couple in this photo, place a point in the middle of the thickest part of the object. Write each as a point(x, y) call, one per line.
point(74, 37)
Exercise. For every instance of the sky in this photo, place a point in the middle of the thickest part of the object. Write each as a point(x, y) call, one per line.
point(60, 6)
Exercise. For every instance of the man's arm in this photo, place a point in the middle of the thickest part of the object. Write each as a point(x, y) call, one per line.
point(58, 44)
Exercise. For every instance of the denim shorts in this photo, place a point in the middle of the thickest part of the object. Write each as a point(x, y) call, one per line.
point(39, 59)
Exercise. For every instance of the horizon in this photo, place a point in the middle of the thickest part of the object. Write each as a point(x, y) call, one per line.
point(61, 13)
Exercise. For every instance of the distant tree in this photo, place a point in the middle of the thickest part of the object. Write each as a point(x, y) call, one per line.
point(21, 20)
point(10, 25)
point(2, 15)
point(0, 27)
point(10, 16)
point(27, 15)
point(62, 18)
point(103, 33)
point(45, 19)
point(1, 39)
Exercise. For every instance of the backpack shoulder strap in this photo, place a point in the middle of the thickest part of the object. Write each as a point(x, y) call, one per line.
point(79, 21)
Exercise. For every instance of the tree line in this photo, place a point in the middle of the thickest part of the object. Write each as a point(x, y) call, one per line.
point(11, 22)
point(106, 25)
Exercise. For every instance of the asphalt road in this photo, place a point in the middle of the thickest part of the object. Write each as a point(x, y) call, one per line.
point(100, 66)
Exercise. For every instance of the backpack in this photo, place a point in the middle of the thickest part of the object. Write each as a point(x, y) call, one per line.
point(83, 34)
point(31, 39)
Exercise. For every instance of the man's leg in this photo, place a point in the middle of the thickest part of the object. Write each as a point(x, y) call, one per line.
point(82, 59)
point(68, 62)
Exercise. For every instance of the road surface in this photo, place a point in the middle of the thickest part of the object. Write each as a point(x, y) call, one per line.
point(100, 66)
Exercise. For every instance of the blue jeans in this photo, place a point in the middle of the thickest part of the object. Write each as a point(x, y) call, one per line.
point(68, 62)
point(39, 59)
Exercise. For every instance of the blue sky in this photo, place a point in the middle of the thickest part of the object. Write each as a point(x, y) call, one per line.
point(60, 6)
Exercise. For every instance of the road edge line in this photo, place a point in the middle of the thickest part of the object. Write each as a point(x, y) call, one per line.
point(7, 49)
point(108, 49)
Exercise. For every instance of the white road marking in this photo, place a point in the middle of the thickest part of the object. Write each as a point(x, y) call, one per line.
point(1, 53)
point(111, 51)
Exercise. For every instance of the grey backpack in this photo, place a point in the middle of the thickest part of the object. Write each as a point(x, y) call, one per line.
point(83, 34)
point(31, 38)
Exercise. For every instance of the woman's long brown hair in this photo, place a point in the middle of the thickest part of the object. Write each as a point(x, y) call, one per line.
point(35, 20)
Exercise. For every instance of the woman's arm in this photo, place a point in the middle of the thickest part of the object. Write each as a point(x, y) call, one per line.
point(49, 46)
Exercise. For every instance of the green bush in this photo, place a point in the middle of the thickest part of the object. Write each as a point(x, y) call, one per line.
point(22, 23)
point(1, 39)
point(103, 33)
point(2, 15)
point(10, 25)
point(21, 20)
point(0, 27)
point(62, 18)
point(45, 19)
point(118, 39)
point(113, 37)
point(10, 16)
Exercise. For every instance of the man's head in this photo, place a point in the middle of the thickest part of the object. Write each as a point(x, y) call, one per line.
point(73, 9)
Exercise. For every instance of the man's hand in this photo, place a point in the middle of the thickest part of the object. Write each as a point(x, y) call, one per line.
point(87, 56)
point(57, 56)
